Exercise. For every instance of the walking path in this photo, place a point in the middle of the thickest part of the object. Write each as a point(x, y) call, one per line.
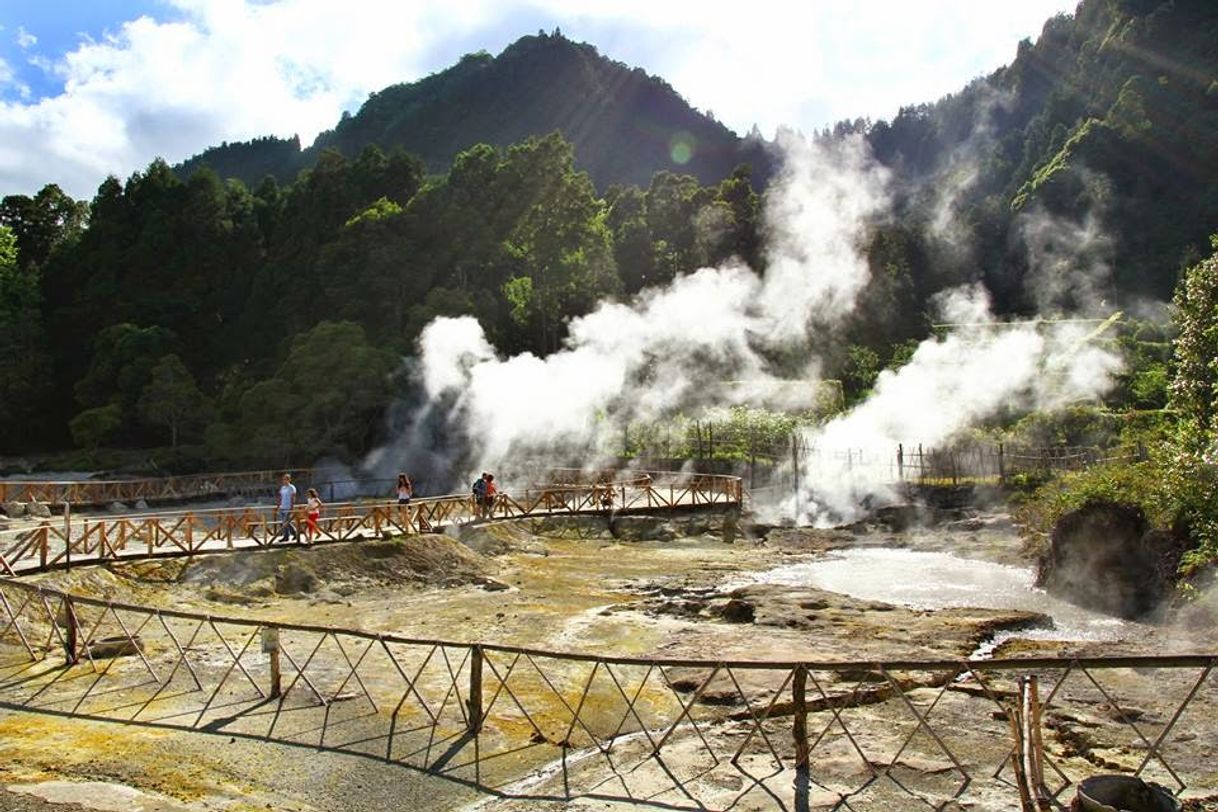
point(67, 540)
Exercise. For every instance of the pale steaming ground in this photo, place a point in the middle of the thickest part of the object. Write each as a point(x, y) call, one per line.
point(936, 580)
point(671, 350)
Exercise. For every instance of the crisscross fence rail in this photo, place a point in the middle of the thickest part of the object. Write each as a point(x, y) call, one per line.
point(681, 733)
point(94, 539)
point(149, 489)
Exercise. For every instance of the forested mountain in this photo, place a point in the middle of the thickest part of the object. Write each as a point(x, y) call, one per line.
point(254, 321)
point(1094, 154)
point(625, 125)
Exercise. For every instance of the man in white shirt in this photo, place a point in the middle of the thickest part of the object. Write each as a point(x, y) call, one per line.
point(287, 501)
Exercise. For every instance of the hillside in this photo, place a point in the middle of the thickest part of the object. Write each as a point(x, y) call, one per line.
point(624, 124)
point(1078, 180)
point(1098, 143)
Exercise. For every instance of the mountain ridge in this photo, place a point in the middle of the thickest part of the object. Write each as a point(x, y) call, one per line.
point(625, 124)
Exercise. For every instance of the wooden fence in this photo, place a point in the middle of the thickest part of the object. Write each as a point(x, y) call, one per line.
point(91, 539)
point(149, 489)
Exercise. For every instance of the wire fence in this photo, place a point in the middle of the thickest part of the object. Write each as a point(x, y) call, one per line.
point(678, 733)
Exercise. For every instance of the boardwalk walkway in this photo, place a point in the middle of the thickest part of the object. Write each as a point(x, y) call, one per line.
point(91, 539)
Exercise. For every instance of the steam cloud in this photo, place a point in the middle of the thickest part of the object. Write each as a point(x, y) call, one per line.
point(670, 350)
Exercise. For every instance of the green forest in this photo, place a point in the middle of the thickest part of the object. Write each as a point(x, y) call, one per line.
point(253, 305)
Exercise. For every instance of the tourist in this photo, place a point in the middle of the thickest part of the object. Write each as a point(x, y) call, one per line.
point(479, 490)
point(489, 498)
point(313, 513)
point(287, 502)
point(405, 489)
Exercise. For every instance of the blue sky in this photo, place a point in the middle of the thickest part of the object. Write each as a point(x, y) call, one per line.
point(96, 87)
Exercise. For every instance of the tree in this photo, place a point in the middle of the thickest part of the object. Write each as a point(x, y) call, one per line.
point(560, 237)
point(172, 399)
point(93, 427)
point(42, 223)
point(1194, 388)
point(327, 397)
point(25, 377)
point(121, 366)
point(1191, 477)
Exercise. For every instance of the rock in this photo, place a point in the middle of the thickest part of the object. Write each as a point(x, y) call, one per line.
point(491, 585)
point(292, 579)
point(109, 647)
point(141, 505)
point(641, 528)
point(1105, 557)
point(14, 509)
point(737, 611)
point(117, 507)
point(38, 510)
point(898, 517)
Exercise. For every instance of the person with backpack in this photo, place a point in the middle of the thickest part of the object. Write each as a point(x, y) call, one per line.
point(489, 498)
point(479, 489)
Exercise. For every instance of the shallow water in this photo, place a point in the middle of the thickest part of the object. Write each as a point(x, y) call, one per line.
point(936, 580)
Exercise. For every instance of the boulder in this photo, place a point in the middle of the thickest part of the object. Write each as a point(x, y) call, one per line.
point(14, 509)
point(141, 505)
point(118, 507)
point(1104, 556)
point(737, 611)
point(38, 510)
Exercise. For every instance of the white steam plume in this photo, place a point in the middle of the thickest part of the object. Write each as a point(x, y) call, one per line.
point(670, 348)
point(979, 368)
point(673, 349)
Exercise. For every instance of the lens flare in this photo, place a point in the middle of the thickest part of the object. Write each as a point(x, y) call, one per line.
point(681, 147)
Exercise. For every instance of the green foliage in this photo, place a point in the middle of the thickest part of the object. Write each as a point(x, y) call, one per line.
point(172, 399)
point(92, 427)
point(381, 208)
point(519, 292)
point(1133, 484)
point(1194, 390)
point(1085, 426)
point(860, 371)
point(738, 433)
point(121, 366)
point(25, 378)
point(1177, 486)
point(327, 397)
point(1191, 477)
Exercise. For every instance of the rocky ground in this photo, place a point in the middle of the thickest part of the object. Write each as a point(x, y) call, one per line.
point(641, 586)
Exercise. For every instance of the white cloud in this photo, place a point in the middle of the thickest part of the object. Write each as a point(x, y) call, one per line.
point(229, 70)
point(237, 69)
point(25, 39)
point(773, 62)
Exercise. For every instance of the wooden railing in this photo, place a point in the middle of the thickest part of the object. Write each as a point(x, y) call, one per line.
point(149, 489)
point(91, 539)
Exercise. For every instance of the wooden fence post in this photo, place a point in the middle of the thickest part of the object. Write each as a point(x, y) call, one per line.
point(474, 702)
point(1029, 749)
point(67, 534)
point(70, 641)
point(799, 687)
point(270, 645)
